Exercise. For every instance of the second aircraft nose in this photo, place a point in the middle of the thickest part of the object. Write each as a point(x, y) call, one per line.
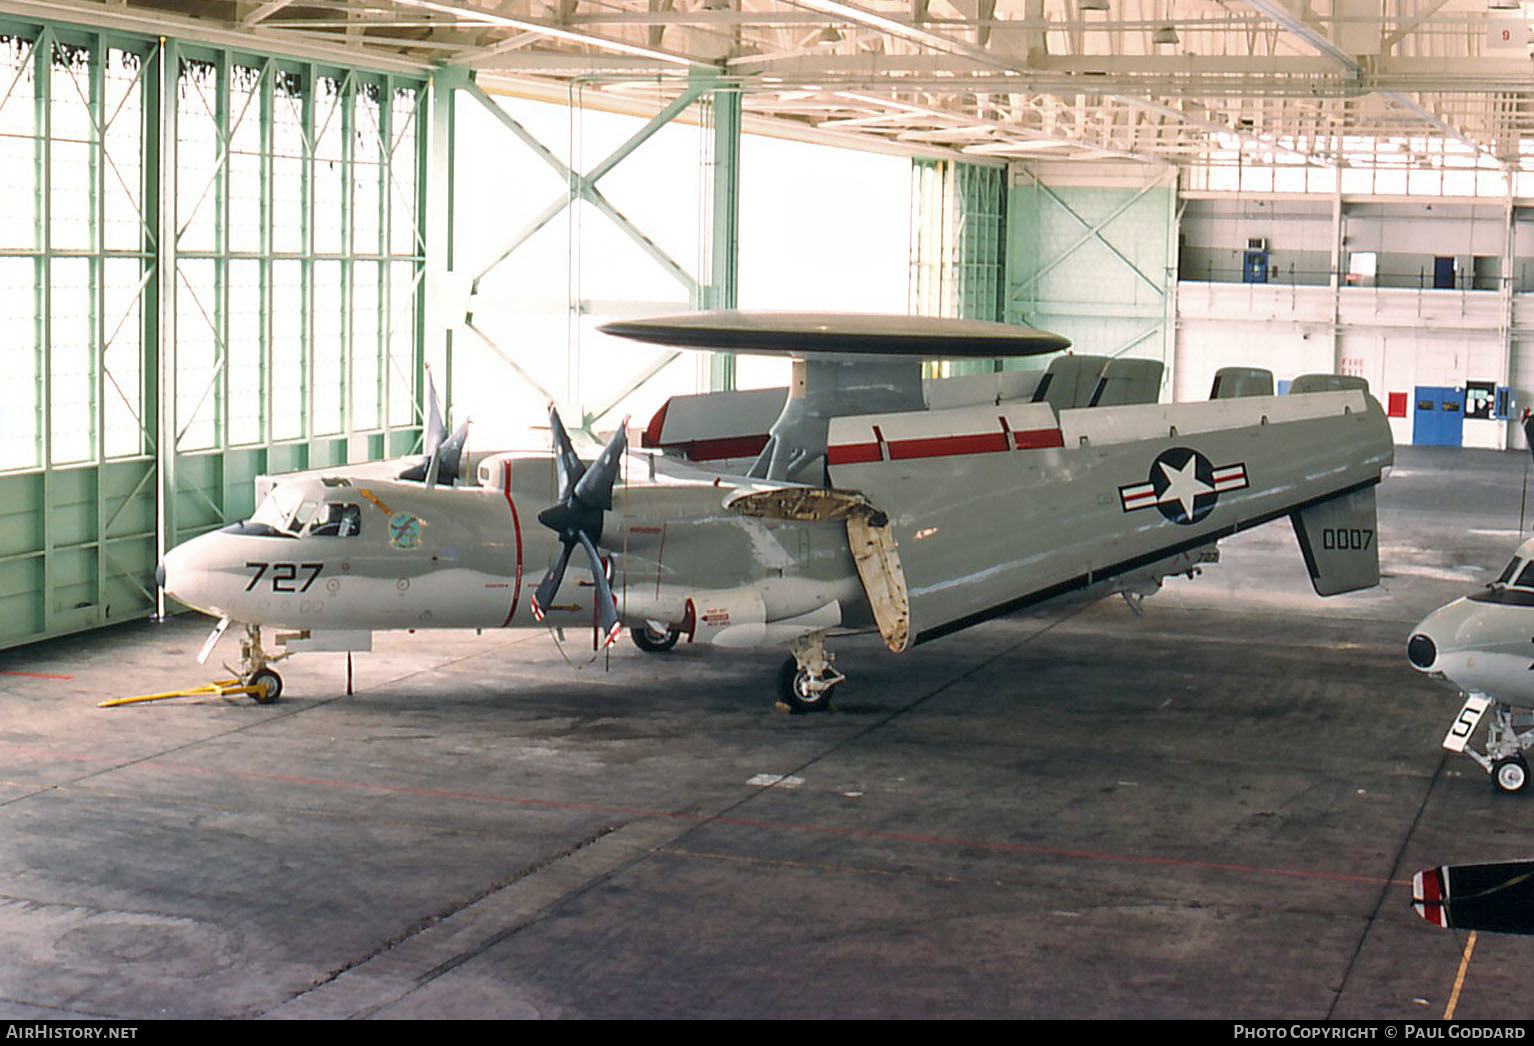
point(1421, 651)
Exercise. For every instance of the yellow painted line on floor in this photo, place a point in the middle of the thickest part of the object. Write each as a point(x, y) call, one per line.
point(1459, 980)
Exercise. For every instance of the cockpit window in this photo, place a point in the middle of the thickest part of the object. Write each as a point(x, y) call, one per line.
point(284, 512)
point(1507, 572)
point(336, 520)
point(1525, 578)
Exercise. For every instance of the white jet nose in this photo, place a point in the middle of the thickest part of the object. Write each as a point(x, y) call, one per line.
point(1448, 630)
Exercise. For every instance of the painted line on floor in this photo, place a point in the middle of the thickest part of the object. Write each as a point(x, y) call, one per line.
point(1459, 978)
point(35, 675)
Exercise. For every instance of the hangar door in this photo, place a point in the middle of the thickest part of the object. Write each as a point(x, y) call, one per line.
point(1439, 417)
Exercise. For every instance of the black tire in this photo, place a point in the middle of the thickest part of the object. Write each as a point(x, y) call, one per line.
point(1510, 775)
point(267, 684)
point(653, 642)
point(793, 692)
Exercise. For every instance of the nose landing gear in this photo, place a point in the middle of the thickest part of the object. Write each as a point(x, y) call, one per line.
point(1508, 735)
point(255, 677)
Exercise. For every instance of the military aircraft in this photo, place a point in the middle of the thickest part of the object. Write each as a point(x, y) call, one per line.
point(874, 501)
point(1483, 643)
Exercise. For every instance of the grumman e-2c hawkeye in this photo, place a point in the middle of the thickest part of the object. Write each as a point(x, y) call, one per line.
point(874, 501)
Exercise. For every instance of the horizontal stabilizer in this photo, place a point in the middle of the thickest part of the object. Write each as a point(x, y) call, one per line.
point(1339, 539)
point(1496, 897)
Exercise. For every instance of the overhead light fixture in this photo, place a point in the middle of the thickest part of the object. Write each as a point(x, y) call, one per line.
point(830, 35)
point(1163, 36)
point(1094, 5)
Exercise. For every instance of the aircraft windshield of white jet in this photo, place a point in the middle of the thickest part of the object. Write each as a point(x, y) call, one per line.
point(863, 498)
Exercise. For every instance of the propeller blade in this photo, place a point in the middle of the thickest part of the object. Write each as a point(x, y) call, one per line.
point(607, 607)
point(548, 588)
point(595, 488)
point(570, 467)
point(435, 429)
point(451, 454)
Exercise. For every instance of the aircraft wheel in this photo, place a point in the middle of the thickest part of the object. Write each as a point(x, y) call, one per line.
point(795, 692)
point(268, 685)
point(653, 642)
point(1510, 774)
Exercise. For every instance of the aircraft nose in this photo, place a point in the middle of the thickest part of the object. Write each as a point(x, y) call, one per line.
point(1421, 651)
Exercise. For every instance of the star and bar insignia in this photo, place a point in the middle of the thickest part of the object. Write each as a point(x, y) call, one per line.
point(1184, 485)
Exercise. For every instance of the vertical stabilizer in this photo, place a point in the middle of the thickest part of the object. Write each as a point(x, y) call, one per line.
point(1339, 539)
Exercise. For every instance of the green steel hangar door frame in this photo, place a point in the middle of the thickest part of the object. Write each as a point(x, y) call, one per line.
point(1094, 257)
point(959, 246)
point(708, 283)
point(211, 262)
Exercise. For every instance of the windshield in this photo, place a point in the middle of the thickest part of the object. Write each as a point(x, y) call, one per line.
point(284, 511)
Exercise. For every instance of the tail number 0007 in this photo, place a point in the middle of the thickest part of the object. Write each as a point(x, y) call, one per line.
point(1347, 539)
point(285, 576)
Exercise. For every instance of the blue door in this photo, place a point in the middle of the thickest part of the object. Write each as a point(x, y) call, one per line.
point(1439, 417)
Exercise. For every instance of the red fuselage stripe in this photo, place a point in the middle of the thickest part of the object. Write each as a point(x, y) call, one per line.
point(853, 454)
point(944, 446)
point(1039, 439)
point(516, 526)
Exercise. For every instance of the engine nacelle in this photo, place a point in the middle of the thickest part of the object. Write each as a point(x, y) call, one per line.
point(738, 618)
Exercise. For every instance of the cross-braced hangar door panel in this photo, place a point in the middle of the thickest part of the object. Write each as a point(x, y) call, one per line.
point(1095, 260)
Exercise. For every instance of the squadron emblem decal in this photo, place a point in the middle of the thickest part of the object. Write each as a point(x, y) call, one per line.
point(1184, 485)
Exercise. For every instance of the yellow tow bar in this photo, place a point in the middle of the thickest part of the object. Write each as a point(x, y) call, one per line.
point(217, 688)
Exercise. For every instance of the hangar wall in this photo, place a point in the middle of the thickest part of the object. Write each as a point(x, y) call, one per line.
point(1406, 292)
point(210, 267)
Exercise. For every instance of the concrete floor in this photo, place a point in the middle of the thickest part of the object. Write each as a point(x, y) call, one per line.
point(1213, 810)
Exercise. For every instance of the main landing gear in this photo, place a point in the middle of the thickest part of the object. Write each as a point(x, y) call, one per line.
point(806, 678)
point(1508, 735)
point(654, 640)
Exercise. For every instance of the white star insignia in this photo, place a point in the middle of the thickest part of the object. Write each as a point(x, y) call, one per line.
point(1183, 485)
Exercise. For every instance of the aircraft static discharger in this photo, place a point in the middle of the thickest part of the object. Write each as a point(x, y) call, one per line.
point(1483, 643)
point(876, 501)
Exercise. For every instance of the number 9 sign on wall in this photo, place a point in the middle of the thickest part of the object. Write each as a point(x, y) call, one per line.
point(1506, 34)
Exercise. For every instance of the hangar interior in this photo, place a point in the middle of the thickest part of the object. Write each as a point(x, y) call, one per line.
point(240, 232)
point(245, 238)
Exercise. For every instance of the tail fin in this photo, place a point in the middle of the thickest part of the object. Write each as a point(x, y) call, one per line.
point(1339, 539)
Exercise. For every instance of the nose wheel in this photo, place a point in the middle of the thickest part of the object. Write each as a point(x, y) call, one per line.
point(1508, 737)
point(264, 684)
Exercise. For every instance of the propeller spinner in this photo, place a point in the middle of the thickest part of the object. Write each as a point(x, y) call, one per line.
point(585, 495)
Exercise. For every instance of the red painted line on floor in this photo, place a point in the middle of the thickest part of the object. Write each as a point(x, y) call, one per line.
point(946, 842)
point(35, 675)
